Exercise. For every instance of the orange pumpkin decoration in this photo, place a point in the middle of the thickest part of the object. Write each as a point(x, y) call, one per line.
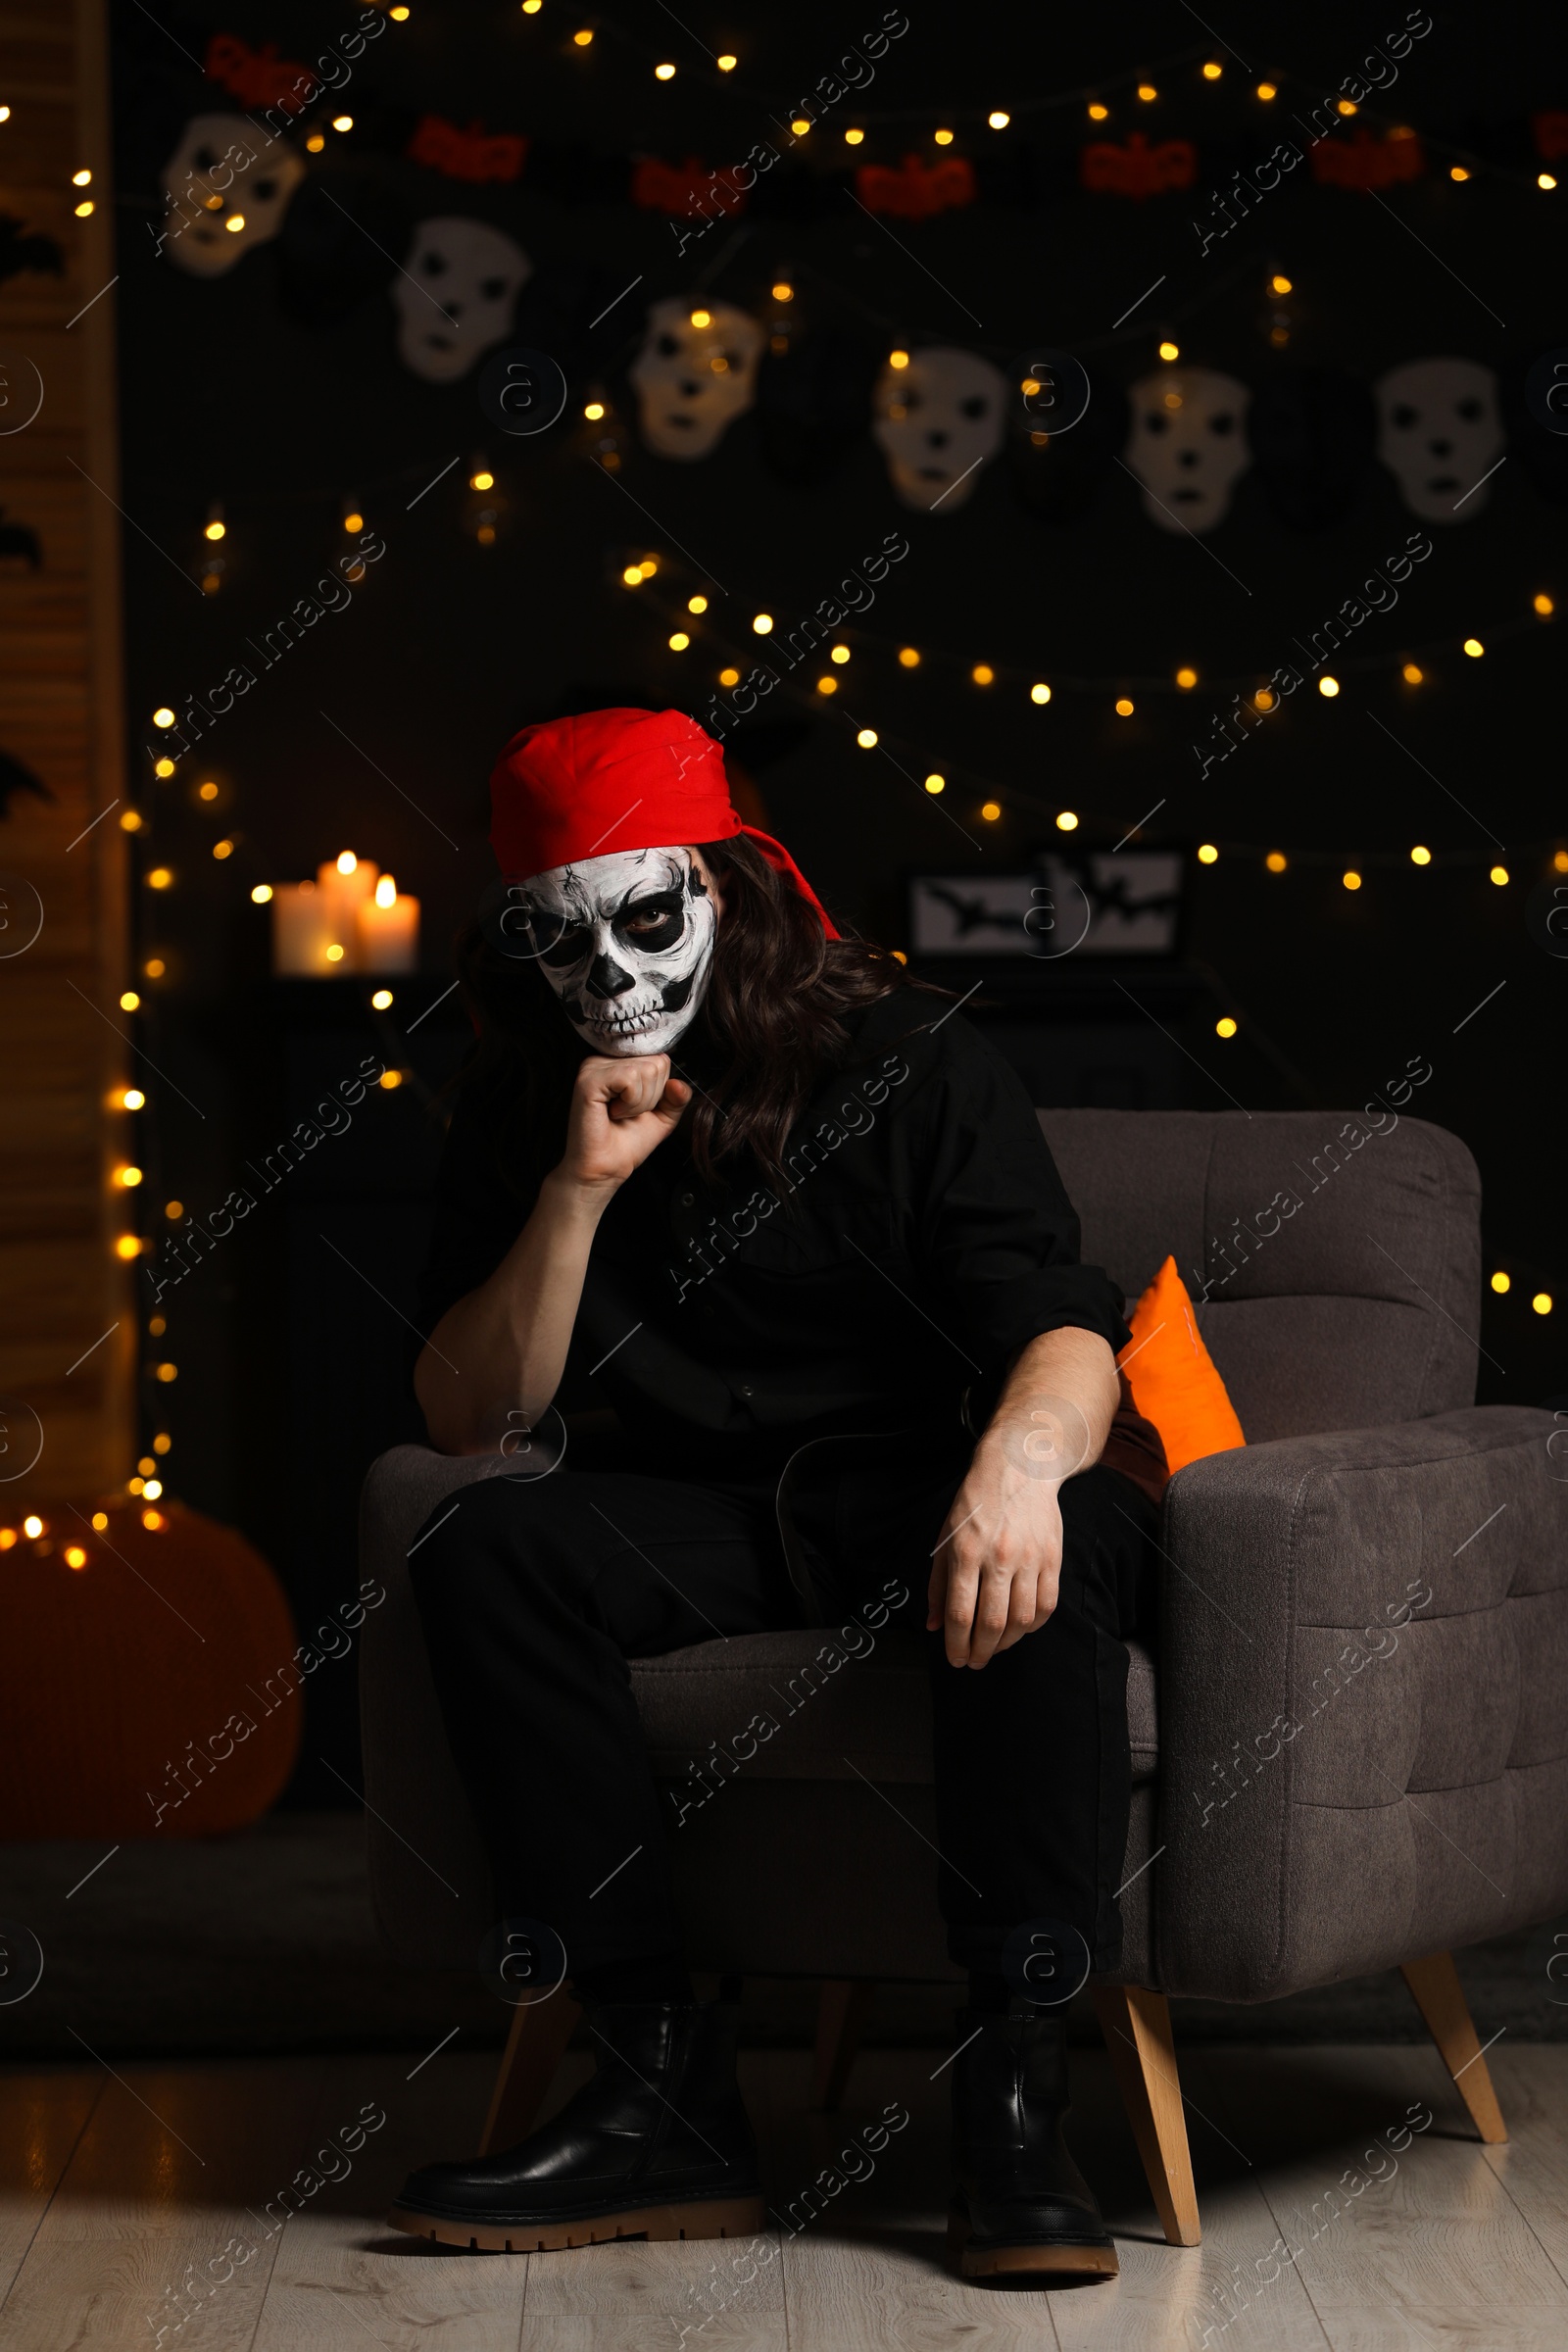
point(148, 1682)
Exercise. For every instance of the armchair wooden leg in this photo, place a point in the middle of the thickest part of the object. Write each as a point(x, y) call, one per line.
point(540, 2030)
point(1440, 1997)
point(1136, 2024)
point(841, 2014)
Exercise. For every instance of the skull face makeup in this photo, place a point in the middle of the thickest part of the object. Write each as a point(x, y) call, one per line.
point(626, 941)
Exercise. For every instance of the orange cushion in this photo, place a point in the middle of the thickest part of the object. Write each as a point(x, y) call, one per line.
point(1172, 1375)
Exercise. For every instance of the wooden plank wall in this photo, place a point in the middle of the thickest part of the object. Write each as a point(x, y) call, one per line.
point(64, 1064)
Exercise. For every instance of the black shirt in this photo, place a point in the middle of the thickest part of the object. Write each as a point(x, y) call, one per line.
point(925, 1239)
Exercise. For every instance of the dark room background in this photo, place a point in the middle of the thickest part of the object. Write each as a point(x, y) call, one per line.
point(271, 398)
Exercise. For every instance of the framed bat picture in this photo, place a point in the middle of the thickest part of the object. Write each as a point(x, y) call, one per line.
point(1087, 902)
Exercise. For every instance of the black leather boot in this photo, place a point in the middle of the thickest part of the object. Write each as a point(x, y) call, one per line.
point(656, 2144)
point(1021, 2205)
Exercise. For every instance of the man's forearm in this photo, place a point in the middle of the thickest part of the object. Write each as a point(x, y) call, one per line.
point(1067, 1369)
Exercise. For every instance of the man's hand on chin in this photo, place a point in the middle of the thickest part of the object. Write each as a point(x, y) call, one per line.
point(997, 1566)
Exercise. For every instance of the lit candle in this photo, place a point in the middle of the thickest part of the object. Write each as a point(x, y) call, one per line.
point(347, 882)
point(303, 920)
point(388, 931)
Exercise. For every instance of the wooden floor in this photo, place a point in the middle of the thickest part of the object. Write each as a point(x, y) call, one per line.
point(123, 2192)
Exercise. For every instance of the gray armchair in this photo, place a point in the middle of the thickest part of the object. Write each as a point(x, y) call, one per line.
point(1350, 1752)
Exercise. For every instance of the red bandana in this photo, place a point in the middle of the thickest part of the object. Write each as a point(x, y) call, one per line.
point(573, 789)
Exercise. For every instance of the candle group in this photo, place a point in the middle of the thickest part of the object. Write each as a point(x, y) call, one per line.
point(352, 918)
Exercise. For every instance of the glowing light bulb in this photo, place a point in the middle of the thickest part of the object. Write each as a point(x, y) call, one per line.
point(991, 810)
point(1278, 284)
point(702, 317)
point(1457, 172)
point(1329, 687)
point(1543, 606)
point(133, 1099)
point(839, 654)
point(1420, 855)
point(852, 138)
point(867, 738)
point(1412, 674)
point(1275, 861)
point(727, 64)
point(763, 623)
point(381, 998)
point(983, 674)
point(342, 121)
point(213, 530)
point(162, 716)
point(261, 894)
point(800, 125)
point(1146, 92)
point(1066, 820)
point(1542, 1303)
point(1186, 679)
point(1214, 69)
point(936, 784)
point(663, 72)
point(898, 359)
point(679, 642)
point(353, 520)
point(1350, 878)
point(909, 657)
point(161, 768)
point(633, 575)
point(1206, 852)
point(943, 138)
point(997, 120)
point(1225, 1027)
point(1268, 90)
point(827, 685)
point(160, 878)
point(1545, 179)
point(128, 999)
point(1096, 112)
point(1170, 351)
point(583, 39)
point(1500, 875)
point(32, 1525)
point(234, 223)
point(127, 1245)
point(1474, 647)
point(1039, 693)
point(334, 954)
point(1124, 706)
point(482, 480)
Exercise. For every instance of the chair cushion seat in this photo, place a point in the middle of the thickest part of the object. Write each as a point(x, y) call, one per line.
point(796, 1706)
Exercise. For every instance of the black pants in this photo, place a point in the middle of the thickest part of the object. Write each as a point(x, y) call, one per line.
point(534, 1595)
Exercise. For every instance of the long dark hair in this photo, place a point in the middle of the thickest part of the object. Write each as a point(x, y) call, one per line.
point(773, 1012)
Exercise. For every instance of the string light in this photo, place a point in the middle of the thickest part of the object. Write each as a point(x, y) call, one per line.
point(909, 658)
point(128, 1177)
point(1346, 106)
point(827, 685)
point(839, 654)
point(153, 969)
point(594, 410)
point(1096, 112)
point(261, 894)
point(1214, 69)
point(390, 1079)
point(582, 39)
point(133, 1099)
point(222, 849)
point(1225, 1026)
point(234, 223)
point(1066, 820)
point(1187, 679)
point(1474, 647)
point(783, 291)
point(532, 7)
point(1500, 875)
point(1170, 351)
point(727, 64)
point(131, 821)
point(943, 138)
point(1543, 179)
point(1412, 674)
point(1207, 854)
point(1039, 693)
point(207, 792)
point(763, 623)
point(982, 673)
point(898, 359)
point(935, 784)
point(663, 72)
point(867, 738)
point(160, 878)
point(1560, 860)
point(1500, 1283)
point(84, 209)
point(1276, 861)
point(398, 15)
point(1329, 687)
point(381, 998)
point(1124, 706)
point(1147, 92)
point(697, 603)
point(1266, 90)
point(482, 480)
point(1457, 172)
point(852, 138)
point(999, 121)
point(729, 677)
point(991, 810)
point(33, 1526)
point(1350, 878)
point(162, 716)
point(128, 999)
point(1542, 1303)
point(334, 954)
point(633, 575)
point(800, 125)
point(679, 642)
point(1279, 285)
point(1543, 606)
point(214, 528)
point(702, 317)
point(1420, 855)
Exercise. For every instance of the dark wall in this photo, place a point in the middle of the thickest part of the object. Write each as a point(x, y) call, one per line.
point(380, 728)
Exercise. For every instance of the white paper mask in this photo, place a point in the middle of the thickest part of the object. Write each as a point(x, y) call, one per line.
point(938, 420)
point(223, 172)
point(1438, 432)
point(626, 941)
point(1188, 445)
point(454, 297)
point(695, 373)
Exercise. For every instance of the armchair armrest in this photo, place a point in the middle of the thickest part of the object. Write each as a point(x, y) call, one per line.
point(1363, 1697)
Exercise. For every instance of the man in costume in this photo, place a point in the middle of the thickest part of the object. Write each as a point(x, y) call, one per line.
point(790, 1216)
